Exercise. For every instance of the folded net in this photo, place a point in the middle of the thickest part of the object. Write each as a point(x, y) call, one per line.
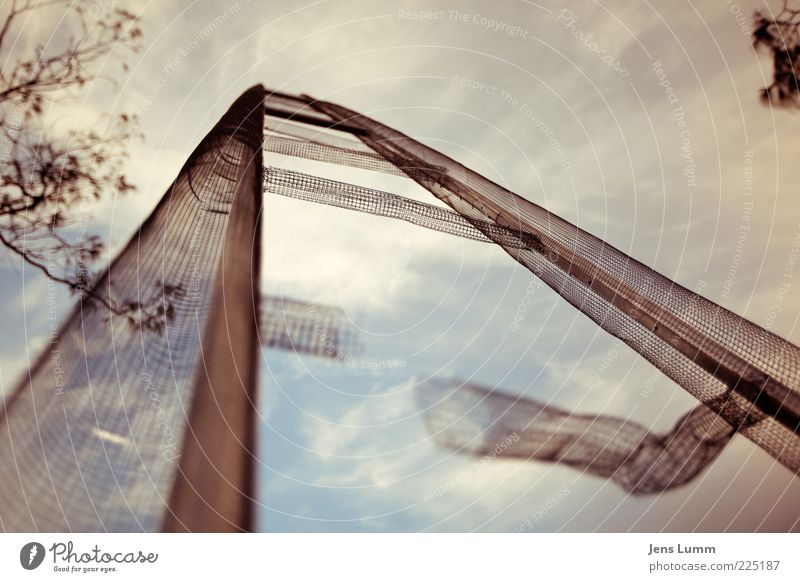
point(473, 419)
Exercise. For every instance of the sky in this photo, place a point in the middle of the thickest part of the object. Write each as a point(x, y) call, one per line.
point(638, 122)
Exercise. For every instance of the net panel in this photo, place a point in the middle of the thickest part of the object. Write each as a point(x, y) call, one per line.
point(214, 484)
point(92, 438)
point(473, 419)
point(330, 137)
point(298, 111)
point(293, 108)
point(711, 352)
point(308, 328)
point(321, 152)
point(367, 200)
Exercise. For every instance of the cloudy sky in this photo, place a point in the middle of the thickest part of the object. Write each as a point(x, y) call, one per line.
point(586, 128)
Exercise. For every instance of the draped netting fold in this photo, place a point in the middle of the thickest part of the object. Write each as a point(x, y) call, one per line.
point(96, 435)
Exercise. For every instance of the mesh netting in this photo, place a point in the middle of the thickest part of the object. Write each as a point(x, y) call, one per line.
point(95, 435)
point(343, 195)
point(472, 419)
point(291, 139)
point(122, 428)
point(332, 138)
point(308, 328)
point(711, 352)
point(321, 152)
point(293, 108)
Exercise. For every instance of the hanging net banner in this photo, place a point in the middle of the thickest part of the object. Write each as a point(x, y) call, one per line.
point(122, 425)
point(214, 488)
point(321, 152)
point(343, 195)
point(297, 110)
point(307, 328)
point(472, 419)
point(711, 352)
point(100, 434)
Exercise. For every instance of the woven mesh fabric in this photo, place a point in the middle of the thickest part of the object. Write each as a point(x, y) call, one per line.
point(124, 429)
point(308, 328)
point(714, 354)
point(214, 484)
point(313, 150)
point(93, 436)
point(473, 419)
point(300, 131)
point(361, 199)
